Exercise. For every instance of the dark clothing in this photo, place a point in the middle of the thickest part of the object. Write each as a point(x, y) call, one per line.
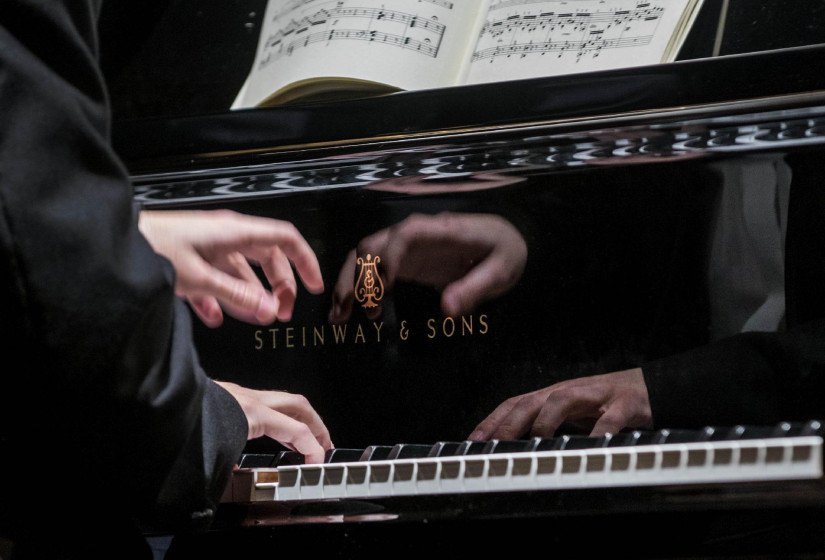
point(760, 377)
point(108, 423)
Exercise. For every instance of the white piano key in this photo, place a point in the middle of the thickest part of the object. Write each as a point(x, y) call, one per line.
point(783, 458)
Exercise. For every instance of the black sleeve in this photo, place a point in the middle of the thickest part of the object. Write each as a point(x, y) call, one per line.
point(750, 378)
point(761, 378)
point(110, 391)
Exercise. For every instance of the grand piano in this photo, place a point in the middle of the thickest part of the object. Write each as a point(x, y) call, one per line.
point(603, 194)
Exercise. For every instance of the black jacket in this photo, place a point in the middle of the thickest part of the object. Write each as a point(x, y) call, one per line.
point(758, 377)
point(108, 422)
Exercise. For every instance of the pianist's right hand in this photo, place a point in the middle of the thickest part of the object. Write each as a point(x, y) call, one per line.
point(211, 251)
point(285, 417)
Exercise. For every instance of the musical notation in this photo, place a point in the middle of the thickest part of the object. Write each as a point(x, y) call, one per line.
point(554, 27)
point(443, 3)
point(561, 47)
point(389, 27)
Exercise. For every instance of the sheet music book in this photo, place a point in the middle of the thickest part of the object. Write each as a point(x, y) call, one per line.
point(317, 49)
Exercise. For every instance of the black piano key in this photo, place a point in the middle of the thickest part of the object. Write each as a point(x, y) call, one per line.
point(256, 460)
point(682, 436)
point(634, 437)
point(548, 443)
point(533, 444)
point(285, 458)
point(375, 453)
point(794, 429)
point(505, 446)
point(444, 449)
point(740, 432)
point(787, 429)
point(408, 451)
point(652, 437)
point(570, 442)
point(706, 433)
point(622, 439)
point(721, 433)
point(471, 448)
point(585, 442)
point(751, 432)
point(342, 455)
point(813, 428)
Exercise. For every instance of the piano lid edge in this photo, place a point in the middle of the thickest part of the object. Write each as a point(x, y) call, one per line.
point(191, 163)
point(429, 114)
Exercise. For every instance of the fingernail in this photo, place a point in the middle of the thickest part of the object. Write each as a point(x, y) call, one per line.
point(451, 303)
point(267, 308)
point(477, 435)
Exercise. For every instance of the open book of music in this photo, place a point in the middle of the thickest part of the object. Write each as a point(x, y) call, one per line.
point(320, 49)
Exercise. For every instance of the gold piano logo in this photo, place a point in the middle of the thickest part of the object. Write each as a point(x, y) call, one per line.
point(369, 289)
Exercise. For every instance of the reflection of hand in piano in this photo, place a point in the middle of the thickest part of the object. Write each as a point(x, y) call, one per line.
point(598, 404)
point(470, 257)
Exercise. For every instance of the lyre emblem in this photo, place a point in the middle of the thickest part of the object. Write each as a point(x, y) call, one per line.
point(368, 288)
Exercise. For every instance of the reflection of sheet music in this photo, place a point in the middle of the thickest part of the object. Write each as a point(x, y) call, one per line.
point(569, 36)
point(348, 22)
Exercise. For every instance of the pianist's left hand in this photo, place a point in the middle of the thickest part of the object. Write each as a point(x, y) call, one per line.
point(597, 404)
point(211, 252)
point(285, 417)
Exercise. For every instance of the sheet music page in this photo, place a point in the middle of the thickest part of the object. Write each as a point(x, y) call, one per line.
point(531, 38)
point(409, 44)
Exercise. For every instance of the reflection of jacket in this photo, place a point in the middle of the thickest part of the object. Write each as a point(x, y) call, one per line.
point(761, 378)
point(110, 400)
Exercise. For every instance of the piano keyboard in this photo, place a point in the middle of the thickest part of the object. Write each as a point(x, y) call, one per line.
point(738, 454)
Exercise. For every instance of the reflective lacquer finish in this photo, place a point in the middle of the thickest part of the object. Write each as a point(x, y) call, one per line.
point(594, 234)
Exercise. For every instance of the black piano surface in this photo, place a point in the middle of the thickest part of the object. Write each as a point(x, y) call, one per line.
point(603, 188)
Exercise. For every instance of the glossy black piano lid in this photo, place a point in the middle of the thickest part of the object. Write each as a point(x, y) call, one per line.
point(179, 141)
point(609, 225)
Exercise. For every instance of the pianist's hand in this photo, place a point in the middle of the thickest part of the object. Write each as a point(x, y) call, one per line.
point(285, 417)
point(211, 252)
point(598, 404)
point(470, 258)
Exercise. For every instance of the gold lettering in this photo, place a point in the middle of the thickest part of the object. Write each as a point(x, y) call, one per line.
point(339, 332)
point(444, 327)
point(470, 325)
